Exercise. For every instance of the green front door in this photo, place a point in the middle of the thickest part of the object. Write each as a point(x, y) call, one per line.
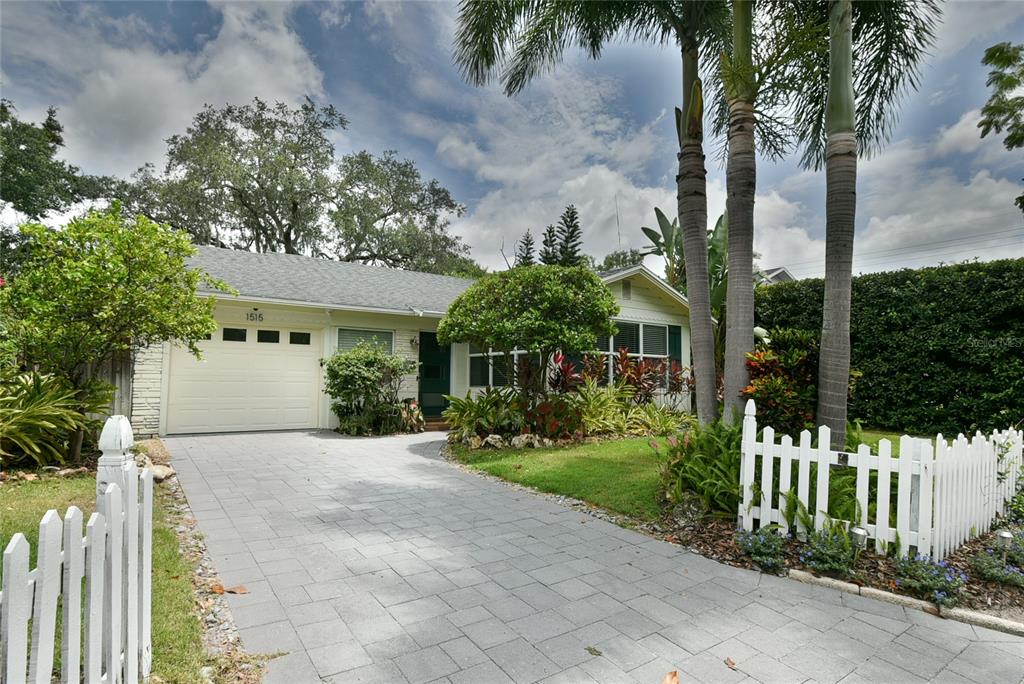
point(435, 375)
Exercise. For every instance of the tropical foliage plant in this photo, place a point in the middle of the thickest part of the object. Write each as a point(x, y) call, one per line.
point(783, 380)
point(39, 414)
point(363, 384)
point(494, 411)
point(706, 462)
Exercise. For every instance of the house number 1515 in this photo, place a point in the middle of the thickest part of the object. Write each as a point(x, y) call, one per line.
point(254, 316)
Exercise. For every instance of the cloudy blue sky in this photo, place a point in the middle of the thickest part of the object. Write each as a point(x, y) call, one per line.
point(598, 134)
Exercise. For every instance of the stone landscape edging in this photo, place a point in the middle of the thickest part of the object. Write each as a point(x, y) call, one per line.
point(971, 617)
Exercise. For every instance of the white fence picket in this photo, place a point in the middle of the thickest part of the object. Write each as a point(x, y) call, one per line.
point(946, 491)
point(785, 475)
point(71, 618)
point(804, 475)
point(884, 487)
point(767, 461)
point(47, 589)
point(824, 460)
point(112, 642)
point(95, 578)
point(15, 611)
point(904, 483)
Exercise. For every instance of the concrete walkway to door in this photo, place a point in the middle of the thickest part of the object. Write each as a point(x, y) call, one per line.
point(371, 560)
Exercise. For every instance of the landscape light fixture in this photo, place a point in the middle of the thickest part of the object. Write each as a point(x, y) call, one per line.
point(860, 537)
point(1004, 538)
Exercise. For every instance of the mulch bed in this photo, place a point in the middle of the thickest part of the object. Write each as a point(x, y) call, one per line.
point(715, 538)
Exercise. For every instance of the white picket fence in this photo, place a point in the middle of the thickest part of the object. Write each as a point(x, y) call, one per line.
point(946, 492)
point(105, 626)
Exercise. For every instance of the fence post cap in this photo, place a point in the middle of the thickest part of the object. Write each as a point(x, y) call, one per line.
point(749, 409)
point(116, 434)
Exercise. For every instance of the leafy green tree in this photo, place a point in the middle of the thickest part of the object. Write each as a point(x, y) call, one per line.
point(620, 258)
point(264, 177)
point(32, 180)
point(525, 250)
point(1004, 110)
point(845, 108)
point(570, 238)
point(256, 176)
point(536, 308)
point(549, 255)
point(387, 214)
point(521, 40)
point(101, 286)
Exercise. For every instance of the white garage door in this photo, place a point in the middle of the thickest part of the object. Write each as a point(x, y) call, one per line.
point(248, 379)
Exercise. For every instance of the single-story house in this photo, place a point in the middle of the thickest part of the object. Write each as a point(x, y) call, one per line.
point(262, 368)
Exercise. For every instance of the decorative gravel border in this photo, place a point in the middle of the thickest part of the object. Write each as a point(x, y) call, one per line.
point(971, 617)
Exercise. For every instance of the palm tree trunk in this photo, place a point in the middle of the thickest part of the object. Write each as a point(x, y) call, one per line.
point(840, 209)
point(741, 184)
point(691, 189)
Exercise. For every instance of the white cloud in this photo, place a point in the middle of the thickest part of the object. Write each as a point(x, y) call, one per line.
point(122, 90)
point(966, 24)
point(963, 136)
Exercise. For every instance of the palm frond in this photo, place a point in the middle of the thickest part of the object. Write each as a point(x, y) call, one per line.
point(891, 38)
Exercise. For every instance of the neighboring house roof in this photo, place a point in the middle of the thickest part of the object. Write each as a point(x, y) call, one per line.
point(641, 270)
point(779, 274)
point(297, 279)
point(308, 281)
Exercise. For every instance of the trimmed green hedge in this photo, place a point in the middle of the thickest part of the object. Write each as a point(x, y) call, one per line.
point(940, 349)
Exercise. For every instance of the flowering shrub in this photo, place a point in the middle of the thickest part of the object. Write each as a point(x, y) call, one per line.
point(936, 582)
point(764, 547)
point(989, 566)
point(830, 550)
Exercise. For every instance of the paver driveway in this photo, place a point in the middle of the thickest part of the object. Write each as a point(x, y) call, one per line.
point(372, 560)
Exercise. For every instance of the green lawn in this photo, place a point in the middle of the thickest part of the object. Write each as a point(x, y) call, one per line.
point(178, 652)
point(620, 475)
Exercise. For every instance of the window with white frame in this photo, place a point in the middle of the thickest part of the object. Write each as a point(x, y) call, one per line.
point(348, 338)
point(641, 341)
point(488, 367)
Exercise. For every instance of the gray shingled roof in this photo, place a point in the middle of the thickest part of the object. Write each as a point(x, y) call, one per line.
point(296, 278)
